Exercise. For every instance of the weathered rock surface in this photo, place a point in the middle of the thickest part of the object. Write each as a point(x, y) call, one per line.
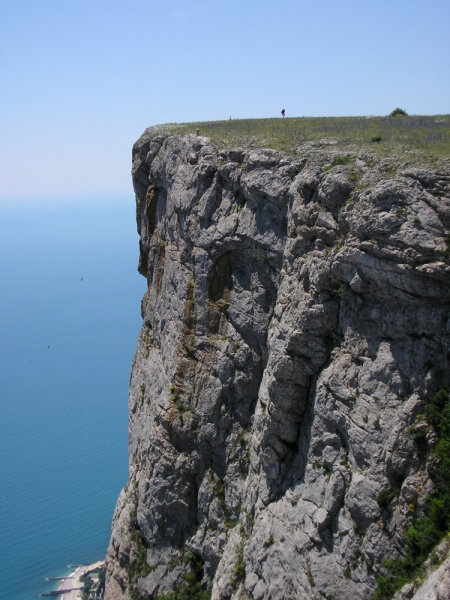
point(436, 585)
point(297, 313)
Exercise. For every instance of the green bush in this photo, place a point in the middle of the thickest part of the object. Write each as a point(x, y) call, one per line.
point(420, 440)
point(385, 497)
point(239, 568)
point(398, 112)
point(426, 531)
point(87, 587)
point(139, 567)
point(342, 291)
point(387, 587)
point(435, 408)
point(192, 588)
point(341, 160)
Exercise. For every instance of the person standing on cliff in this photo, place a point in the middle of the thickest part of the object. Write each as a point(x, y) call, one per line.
point(283, 112)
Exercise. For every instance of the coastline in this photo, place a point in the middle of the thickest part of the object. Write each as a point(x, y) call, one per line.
point(72, 582)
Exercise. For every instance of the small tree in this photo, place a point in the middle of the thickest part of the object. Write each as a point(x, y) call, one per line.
point(88, 583)
point(399, 112)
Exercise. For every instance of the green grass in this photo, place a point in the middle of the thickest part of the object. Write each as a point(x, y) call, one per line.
point(427, 531)
point(239, 567)
point(383, 135)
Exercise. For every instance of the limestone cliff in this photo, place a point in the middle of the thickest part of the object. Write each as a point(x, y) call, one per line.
point(297, 315)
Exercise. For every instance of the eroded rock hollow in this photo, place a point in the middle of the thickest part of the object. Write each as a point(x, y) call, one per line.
point(297, 314)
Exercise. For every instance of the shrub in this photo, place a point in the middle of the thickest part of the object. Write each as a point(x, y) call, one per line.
point(139, 567)
point(398, 112)
point(342, 291)
point(426, 531)
point(341, 160)
point(258, 254)
point(420, 440)
point(191, 589)
point(385, 497)
point(435, 410)
point(344, 462)
point(386, 588)
point(239, 568)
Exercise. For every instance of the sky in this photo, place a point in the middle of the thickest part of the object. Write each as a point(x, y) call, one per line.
point(80, 80)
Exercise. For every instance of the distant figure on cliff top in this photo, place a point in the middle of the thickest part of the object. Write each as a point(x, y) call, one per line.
point(283, 112)
point(197, 132)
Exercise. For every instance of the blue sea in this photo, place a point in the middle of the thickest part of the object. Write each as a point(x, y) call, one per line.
point(69, 318)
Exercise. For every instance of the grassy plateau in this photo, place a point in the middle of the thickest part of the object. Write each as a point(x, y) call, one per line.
point(428, 136)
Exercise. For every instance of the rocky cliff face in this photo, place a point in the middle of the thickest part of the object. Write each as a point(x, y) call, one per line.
point(297, 314)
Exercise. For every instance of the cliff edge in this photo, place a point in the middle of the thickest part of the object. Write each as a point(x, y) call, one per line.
point(296, 324)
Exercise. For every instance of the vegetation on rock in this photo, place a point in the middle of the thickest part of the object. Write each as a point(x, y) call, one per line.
point(427, 531)
point(191, 588)
point(297, 308)
point(426, 134)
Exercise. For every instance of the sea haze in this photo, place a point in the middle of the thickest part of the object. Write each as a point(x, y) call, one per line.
point(70, 317)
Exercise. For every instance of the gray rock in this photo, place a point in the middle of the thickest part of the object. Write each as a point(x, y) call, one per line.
point(435, 585)
point(296, 314)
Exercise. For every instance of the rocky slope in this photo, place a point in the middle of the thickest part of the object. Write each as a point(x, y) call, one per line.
point(297, 315)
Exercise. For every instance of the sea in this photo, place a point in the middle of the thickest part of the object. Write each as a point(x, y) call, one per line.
point(69, 321)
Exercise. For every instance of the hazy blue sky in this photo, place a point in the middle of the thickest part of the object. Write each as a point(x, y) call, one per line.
point(80, 80)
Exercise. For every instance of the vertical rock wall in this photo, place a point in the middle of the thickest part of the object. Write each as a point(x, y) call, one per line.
point(297, 313)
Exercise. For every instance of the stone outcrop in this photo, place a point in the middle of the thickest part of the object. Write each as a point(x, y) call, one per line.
point(297, 314)
point(436, 583)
